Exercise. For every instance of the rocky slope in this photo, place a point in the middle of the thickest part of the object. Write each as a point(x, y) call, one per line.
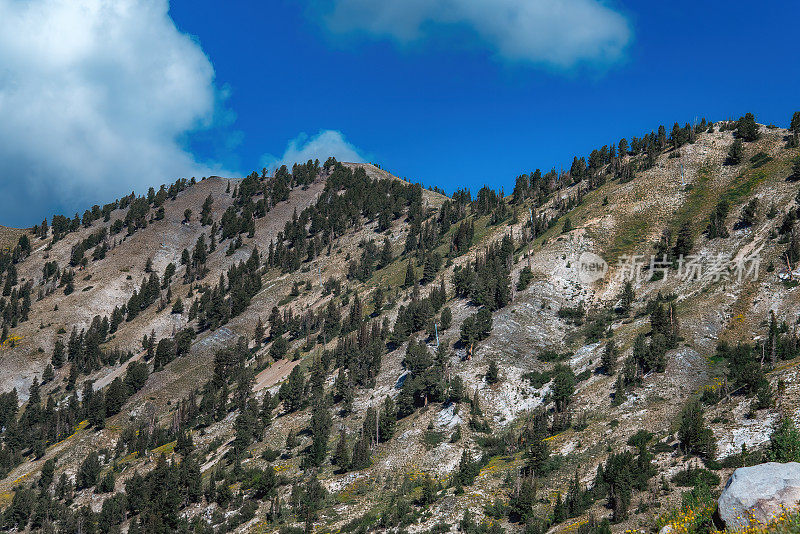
point(415, 477)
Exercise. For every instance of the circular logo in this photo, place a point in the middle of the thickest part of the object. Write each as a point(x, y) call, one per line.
point(591, 267)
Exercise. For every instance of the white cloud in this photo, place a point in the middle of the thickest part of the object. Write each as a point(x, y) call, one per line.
point(321, 146)
point(95, 96)
point(556, 33)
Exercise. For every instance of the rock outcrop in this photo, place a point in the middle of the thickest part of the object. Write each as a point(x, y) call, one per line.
point(759, 493)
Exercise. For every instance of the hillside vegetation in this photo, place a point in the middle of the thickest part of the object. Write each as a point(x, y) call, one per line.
point(329, 348)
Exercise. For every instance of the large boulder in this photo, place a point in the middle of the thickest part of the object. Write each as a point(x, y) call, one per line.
point(759, 493)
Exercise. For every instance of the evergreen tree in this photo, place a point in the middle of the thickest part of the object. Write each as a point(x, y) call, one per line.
point(525, 277)
point(609, 359)
point(411, 276)
point(563, 386)
point(361, 454)
point(341, 455)
point(747, 129)
point(320, 426)
point(716, 226)
point(748, 216)
point(259, 333)
point(784, 443)
point(684, 242)
point(107, 483)
point(58, 354)
point(266, 410)
point(46, 476)
point(735, 153)
point(88, 472)
point(291, 391)
point(794, 136)
point(34, 397)
point(694, 435)
point(387, 419)
point(96, 412)
point(618, 478)
point(386, 253)
point(493, 374)
point(794, 125)
point(795, 175)
point(48, 374)
point(446, 318)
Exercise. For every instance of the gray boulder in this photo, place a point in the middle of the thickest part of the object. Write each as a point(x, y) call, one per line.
point(760, 492)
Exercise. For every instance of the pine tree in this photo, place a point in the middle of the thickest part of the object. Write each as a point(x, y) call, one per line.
point(784, 443)
point(291, 440)
point(321, 423)
point(97, 410)
point(563, 386)
point(34, 397)
point(735, 153)
point(716, 226)
point(386, 253)
point(694, 435)
point(341, 455)
point(411, 276)
point(88, 472)
point(387, 419)
point(377, 299)
point(446, 318)
point(794, 127)
point(525, 277)
point(58, 354)
point(618, 478)
point(795, 176)
point(46, 476)
point(266, 410)
point(609, 359)
point(747, 128)
point(258, 333)
point(107, 483)
point(684, 242)
point(361, 455)
point(493, 374)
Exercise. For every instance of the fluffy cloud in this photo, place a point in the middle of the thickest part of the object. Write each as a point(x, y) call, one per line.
point(95, 97)
point(321, 146)
point(556, 33)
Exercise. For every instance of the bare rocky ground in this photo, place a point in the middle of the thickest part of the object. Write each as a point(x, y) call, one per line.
point(629, 222)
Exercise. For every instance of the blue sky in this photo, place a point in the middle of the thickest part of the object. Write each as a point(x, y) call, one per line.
point(452, 94)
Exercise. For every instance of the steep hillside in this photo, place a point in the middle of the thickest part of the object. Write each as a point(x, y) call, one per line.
point(9, 237)
point(334, 349)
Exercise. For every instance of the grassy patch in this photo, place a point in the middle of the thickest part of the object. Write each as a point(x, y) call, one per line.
point(393, 274)
point(631, 231)
point(9, 237)
point(704, 195)
point(350, 492)
point(699, 199)
point(743, 188)
point(286, 300)
point(433, 439)
point(760, 159)
point(166, 448)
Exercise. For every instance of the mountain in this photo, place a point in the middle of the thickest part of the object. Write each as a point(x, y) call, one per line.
point(331, 348)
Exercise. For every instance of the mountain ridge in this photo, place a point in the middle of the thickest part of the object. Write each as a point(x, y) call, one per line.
point(464, 440)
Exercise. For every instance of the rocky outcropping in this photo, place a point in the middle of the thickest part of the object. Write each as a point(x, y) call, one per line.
point(759, 493)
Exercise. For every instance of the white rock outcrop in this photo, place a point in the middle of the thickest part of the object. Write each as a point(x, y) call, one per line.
point(759, 493)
